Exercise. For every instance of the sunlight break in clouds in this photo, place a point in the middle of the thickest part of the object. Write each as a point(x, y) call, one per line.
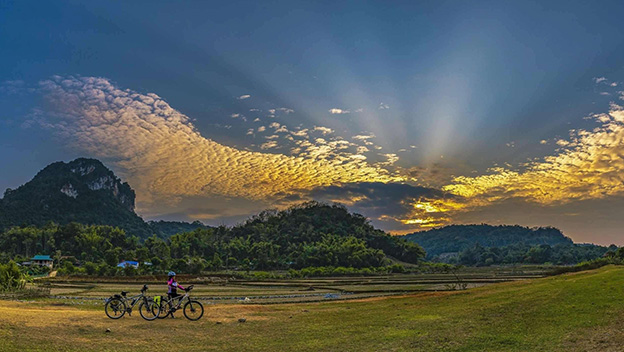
point(163, 155)
point(590, 165)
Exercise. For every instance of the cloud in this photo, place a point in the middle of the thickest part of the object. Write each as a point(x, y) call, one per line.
point(286, 110)
point(269, 145)
point(300, 133)
point(335, 111)
point(588, 165)
point(12, 86)
point(243, 97)
point(323, 130)
point(261, 129)
point(391, 158)
point(165, 158)
point(383, 106)
point(599, 79)
point(398, 207)
point(363, 137)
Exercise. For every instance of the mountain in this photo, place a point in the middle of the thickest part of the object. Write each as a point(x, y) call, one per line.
point(169, 228)
point(456, 238)
point(83, 191)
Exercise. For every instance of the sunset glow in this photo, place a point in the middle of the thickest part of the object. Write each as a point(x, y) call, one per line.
point(483, 119)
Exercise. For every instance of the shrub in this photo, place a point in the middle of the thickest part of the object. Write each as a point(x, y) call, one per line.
point(11, 278)
point(90, 268)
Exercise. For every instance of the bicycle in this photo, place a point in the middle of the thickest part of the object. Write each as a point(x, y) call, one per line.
point(193, 310)
point(117, 305)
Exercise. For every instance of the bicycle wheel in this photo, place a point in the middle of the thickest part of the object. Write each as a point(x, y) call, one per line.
point(193, 310)
point(165, 309)
point(115, 308)
point(149, 310)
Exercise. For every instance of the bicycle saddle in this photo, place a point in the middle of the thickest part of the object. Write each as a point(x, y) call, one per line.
point(123, 293)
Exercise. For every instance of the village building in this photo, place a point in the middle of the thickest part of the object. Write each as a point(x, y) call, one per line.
point(42, 260)
point(126, 263)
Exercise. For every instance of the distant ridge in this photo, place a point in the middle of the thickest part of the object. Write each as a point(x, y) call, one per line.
point(164, 228)
point(83, 191)
point(456, 238)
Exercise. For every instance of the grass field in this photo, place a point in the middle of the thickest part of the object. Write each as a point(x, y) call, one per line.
point(573, 312)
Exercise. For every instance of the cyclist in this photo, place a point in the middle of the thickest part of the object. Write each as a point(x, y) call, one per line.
point(172, 292)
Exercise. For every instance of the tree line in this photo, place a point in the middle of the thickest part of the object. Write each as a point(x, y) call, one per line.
point(308, 235)
point(521, 253)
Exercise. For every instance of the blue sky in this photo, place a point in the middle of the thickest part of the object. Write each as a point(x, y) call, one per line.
point(448, 88)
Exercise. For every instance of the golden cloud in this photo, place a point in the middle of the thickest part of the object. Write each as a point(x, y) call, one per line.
point(589, 165)
point(164, 156)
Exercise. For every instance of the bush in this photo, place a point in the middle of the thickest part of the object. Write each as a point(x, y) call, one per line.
point(587, 265)
point(396, 268)
point(67, 269)
point(90, 268)
point(102, 269)
point(129, 270)
point(11, 278)
point(35, 270)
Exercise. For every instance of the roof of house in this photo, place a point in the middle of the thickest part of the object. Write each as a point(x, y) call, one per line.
point(41, 257)
point(128, 262)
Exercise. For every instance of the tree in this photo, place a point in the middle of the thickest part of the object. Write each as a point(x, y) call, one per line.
point(90, 268)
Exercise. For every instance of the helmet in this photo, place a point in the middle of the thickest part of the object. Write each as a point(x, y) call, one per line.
point(171, 273)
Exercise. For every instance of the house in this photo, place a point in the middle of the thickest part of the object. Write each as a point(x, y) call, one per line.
point(42, 260)
point(126, 263)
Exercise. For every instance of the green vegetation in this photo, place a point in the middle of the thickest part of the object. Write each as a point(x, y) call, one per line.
point(573, 312)
point(560, 254)
point(308, 235)
point(456, 238)
point(165, 229)
point(11, 278)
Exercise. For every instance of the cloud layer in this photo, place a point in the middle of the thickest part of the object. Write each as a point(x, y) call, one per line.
point(171, 165)
point(165, 157)
point(588, 165)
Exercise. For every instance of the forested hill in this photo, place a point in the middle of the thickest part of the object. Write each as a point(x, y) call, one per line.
point(456, 238)
point(165, 229)
point(298, 227)
point(83, 191)
point(307, 235)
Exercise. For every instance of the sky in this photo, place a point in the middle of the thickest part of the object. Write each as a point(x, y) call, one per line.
point(414, 114)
